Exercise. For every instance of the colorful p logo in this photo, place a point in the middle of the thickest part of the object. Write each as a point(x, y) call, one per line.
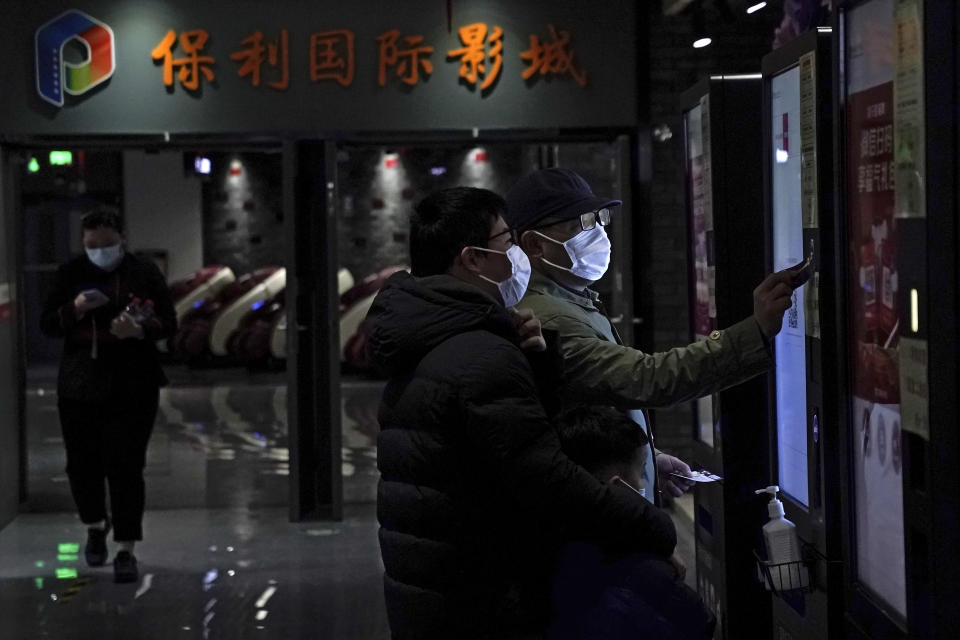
point(54, 74)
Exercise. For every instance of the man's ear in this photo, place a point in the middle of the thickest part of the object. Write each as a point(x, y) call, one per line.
point(470, 259)
point(530, 242)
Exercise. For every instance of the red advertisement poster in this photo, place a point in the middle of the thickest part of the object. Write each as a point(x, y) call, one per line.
point(873, 248)
point(874, 245)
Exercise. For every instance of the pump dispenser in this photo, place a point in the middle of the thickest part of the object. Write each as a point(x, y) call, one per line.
point(783, 547)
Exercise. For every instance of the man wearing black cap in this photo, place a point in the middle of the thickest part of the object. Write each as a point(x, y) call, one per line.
point(561, 227)
point(474, 485)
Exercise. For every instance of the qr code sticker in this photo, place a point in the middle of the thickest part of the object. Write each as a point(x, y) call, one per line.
point(793, 313)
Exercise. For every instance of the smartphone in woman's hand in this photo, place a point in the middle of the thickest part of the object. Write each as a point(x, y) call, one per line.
point(95, 297)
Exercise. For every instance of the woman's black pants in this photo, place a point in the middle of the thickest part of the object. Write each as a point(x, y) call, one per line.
point(106, 445)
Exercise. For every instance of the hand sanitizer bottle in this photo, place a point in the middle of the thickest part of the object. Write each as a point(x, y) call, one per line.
point(780, 539)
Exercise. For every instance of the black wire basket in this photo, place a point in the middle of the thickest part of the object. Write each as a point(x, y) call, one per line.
point(789, 577)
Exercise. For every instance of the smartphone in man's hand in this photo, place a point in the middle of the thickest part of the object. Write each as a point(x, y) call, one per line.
point(801, 273)
point(95, 297)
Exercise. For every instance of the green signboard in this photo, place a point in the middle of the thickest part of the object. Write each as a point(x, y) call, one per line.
point(179, 66)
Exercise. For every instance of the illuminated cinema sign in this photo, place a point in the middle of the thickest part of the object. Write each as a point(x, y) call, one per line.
point(56, 75)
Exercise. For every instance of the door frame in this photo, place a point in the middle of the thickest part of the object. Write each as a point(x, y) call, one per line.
point(310, 196)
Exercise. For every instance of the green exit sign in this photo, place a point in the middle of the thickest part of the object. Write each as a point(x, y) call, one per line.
point(61, 158)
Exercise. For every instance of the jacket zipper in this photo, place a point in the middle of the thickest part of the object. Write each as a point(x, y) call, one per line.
point(646, 418)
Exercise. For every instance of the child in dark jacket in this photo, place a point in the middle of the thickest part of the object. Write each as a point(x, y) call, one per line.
point(606, 596)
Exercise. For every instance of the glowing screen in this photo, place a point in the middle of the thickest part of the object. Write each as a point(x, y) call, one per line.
point(788, 250)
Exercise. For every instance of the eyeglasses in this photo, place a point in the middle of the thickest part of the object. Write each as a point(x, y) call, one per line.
point(588, 220)
point(591, 219)
point(513, 235)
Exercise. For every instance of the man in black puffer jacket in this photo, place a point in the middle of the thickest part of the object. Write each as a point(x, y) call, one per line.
point(473, 477)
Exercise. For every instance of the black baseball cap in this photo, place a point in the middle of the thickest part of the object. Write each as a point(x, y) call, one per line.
point(551, 193)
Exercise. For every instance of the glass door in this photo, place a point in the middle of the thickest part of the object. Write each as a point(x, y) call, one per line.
point(700, 197)
point(873, 307)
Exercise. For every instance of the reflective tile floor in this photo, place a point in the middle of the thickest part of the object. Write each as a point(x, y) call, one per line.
point(220, 441)
point(209, 574)
point(204, 573)
point(219, 559)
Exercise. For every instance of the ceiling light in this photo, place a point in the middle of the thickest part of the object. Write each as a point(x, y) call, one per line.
point(662, 133)
point(701, 43)
point(756, 7)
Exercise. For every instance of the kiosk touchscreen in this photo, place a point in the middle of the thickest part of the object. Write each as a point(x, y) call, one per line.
point(725, 259)
point(899, 186)
point(789, 250)
point(800, 210)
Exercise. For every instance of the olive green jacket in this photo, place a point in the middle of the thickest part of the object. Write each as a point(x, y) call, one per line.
point(598, 370)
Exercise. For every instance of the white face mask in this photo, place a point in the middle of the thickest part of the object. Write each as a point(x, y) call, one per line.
point(589, 253)
point(513, 288)
point(107, 258)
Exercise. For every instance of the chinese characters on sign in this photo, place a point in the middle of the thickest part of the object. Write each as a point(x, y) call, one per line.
point(252, 58)
point(876, 141)
point(192, 43)
point(407, 61)
point(473, 54)
point(332, 57)
point(552, 58)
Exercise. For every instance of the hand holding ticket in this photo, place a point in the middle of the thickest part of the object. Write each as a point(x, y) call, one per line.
point(700, 476)
point(771, 299)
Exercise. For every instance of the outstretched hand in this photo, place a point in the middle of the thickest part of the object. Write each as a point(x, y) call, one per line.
point(771, 299)
point(667, 464)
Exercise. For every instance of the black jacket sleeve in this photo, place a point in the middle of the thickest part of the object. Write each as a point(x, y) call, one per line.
point(507, 427)
point(58, 316)
point(164, 323)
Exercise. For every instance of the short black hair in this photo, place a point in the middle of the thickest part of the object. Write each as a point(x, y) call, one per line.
point(102, 217)
point(597, 437)
point(448, 220)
